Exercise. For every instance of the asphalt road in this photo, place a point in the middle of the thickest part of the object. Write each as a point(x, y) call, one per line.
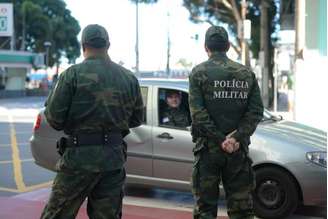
point(19, 175)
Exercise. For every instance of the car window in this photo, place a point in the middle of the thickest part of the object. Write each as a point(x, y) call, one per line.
point(173, 108)
point(144, 94)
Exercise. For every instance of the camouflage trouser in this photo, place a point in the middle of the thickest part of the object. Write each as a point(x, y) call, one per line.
point(238, 181)
point(104, 192)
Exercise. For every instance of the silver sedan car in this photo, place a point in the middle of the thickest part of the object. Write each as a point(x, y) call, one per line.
point(289, 158)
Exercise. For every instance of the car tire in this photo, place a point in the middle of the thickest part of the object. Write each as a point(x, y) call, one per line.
point(275, 195)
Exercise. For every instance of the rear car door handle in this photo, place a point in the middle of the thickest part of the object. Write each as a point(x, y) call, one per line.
point(165, 135)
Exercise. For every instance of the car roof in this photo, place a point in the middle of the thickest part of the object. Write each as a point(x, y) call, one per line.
point(167, 82)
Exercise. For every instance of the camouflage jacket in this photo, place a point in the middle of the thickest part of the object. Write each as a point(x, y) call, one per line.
point(224, 97)
point(94, 96)
point(175, 117)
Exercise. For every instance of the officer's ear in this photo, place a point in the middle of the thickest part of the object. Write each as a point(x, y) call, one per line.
point(227, 47)
point(208, 51)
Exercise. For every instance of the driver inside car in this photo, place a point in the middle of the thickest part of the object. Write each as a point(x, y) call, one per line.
point(174, 114)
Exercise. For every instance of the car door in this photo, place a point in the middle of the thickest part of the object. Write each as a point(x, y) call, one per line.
point(172, 147)
point(139, 162)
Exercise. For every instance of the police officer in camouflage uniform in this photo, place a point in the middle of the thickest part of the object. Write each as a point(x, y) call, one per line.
point(174, 114)
point(226, 106)
point(95, 103)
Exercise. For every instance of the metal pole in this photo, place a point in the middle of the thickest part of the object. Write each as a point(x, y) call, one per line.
point(12, 38)
point(137, 38)
point(275, 93)
point(168, 46)
point(47, 60)
point(24, 29)
point(299, 45)
point(47, 45)
point(243, 43)
point(265, 52)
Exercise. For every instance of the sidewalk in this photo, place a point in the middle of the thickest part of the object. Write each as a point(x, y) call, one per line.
point(16, 208)
point(29, 205)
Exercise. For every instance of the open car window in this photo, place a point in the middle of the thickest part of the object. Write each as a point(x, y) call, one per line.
point(176, 115)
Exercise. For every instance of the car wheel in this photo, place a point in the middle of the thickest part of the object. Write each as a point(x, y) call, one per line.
point(275, 195)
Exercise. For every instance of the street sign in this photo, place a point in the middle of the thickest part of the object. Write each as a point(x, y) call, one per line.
point(247, 29)
point(6, 19)
point(244, 29)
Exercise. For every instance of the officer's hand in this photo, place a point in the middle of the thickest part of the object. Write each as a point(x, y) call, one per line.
point(227, 145)
point(230, 145)
point(236, 146)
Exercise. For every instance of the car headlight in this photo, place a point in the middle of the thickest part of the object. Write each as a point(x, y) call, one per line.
point(317, 157)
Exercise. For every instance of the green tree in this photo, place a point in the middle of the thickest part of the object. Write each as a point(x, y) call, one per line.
point(185, 63)
point(38, 21)
point(228, 12)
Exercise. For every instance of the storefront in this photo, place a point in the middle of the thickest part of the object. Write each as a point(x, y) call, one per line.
point(14, 66)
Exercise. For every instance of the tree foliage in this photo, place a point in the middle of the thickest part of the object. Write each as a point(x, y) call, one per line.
point(38, 21)
point(228, 12)
point(184, 63)
point(218, 12)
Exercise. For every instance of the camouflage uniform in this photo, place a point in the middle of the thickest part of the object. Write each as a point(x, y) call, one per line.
point(176, 117)
point(224, 97)
point(95, 96)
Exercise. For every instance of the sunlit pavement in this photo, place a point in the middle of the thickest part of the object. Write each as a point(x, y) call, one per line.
point(24, 187)
point(165, 204)
point(138, 204)
point(29, 206)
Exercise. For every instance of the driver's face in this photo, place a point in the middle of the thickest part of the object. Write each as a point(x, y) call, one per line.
point(173, 100)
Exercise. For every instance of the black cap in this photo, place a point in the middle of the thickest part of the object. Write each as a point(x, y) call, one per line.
point(216, 39)
point(216, 33)
point(95, 36)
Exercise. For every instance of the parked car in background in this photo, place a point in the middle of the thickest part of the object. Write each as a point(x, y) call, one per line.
point(289, 158)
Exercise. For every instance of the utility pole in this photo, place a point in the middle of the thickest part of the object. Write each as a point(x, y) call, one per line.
point(264, 52)
point(243, 42)
point(168, 70)
point(23, 29)
point(13, 37)
point(47, 45)
point(299, 45)
point(275, 76)
point(137, 38)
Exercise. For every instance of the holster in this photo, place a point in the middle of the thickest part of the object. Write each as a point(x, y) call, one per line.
point(61, 145)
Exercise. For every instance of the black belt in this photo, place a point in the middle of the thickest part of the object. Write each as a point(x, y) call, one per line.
point(88, 139)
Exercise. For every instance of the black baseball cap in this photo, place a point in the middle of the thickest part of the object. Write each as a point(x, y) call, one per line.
point(95, 36)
